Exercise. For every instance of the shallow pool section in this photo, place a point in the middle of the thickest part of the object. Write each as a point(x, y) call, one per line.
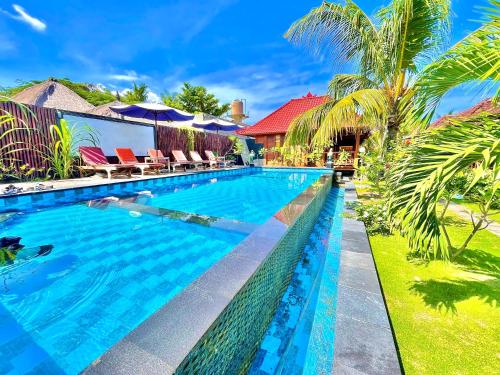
point(120, 253)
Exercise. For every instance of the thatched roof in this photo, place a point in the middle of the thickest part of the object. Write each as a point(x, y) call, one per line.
point(104, 110)
point(485, 106)
point(52, 94)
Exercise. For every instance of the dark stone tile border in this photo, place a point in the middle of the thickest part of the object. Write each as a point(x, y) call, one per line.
point(164, 340)
point(364, 342)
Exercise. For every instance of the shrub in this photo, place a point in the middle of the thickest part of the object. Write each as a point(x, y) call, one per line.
point(374, 216)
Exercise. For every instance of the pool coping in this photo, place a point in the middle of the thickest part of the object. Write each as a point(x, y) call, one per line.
point(364, 340)
point(162, 342)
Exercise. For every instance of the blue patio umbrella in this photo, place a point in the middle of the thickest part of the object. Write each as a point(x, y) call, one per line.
point(152, 111)
point(216, 125)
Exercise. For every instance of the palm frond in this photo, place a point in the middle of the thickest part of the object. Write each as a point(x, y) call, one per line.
point(474, 59)
point(413, 31)
point(344, 84)
point(418, 181)
point(343, 31)
point(303, 128)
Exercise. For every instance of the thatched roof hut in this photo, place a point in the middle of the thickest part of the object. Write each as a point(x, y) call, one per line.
point(52, 94)
point(104, 110)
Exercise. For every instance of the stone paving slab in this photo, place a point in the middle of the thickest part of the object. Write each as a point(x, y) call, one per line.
point(364, 343)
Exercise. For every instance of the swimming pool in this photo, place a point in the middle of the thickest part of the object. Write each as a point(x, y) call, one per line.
point(120, 253)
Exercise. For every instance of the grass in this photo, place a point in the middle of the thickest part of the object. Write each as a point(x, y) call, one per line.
point(474, 207)
point(445, 315)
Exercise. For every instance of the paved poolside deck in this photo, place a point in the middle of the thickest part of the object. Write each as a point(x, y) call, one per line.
point(364, 343)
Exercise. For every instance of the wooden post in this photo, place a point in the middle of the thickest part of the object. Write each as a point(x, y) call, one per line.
point(356, 148)
point(356, 145)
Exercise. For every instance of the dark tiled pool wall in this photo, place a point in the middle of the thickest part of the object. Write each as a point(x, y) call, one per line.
point(231, 342)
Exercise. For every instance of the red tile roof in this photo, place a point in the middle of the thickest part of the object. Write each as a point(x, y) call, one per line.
point(279, 121)
point(483, 106)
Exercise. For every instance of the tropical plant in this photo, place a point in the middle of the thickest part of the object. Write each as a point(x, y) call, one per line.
point(390, 51)
point(138, 94)
point(315, 154)
point(342, 157)
point(62, 148)
point(190, 135)
point(195, 99)
point(263, 151)
point(238, 145)
point(420, 179)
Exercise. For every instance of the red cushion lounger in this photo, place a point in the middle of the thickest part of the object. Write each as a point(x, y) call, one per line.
point(95, 160)
point(156, 156)
point(127, 157)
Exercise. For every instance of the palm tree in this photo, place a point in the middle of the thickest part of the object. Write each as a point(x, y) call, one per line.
point(138, 94)
point(390, 51)
point(420, 179)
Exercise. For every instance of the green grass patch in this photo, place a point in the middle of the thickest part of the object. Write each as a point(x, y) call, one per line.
point(445, 315)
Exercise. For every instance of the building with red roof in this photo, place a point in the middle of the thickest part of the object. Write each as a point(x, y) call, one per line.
point(484, 106)
point(271, 130)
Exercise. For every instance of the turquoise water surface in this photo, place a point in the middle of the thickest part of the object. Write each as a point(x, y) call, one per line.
point(116, 261)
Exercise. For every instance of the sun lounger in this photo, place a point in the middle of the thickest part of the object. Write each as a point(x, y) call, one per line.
point(95, 160)
point(197, 158)
point(127, 157)
point(219, 160)
point(181, 160)
point(156, 156)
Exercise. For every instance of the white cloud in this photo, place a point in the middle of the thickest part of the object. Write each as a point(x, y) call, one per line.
point(264, 88)
point(23, 16)
point(153, 97)
point(128, 76)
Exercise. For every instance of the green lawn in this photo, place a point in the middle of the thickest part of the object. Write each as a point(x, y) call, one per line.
point(446, 316)
point(475, 208)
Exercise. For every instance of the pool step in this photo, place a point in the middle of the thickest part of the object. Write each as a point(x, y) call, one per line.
point(209, 221)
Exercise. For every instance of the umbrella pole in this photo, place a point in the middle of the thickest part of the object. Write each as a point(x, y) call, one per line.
point(156, 131)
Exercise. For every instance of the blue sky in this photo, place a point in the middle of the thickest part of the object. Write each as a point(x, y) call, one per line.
point(235, 48)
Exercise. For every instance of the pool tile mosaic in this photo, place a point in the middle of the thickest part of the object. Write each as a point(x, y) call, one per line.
point(300, 338)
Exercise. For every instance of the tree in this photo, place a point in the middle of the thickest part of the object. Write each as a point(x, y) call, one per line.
point(196, 99)
point(138, 94)
point(421, 178)
point(390, 51)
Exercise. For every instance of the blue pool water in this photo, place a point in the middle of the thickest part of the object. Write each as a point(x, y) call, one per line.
point(300, 338)
point(116, 261)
